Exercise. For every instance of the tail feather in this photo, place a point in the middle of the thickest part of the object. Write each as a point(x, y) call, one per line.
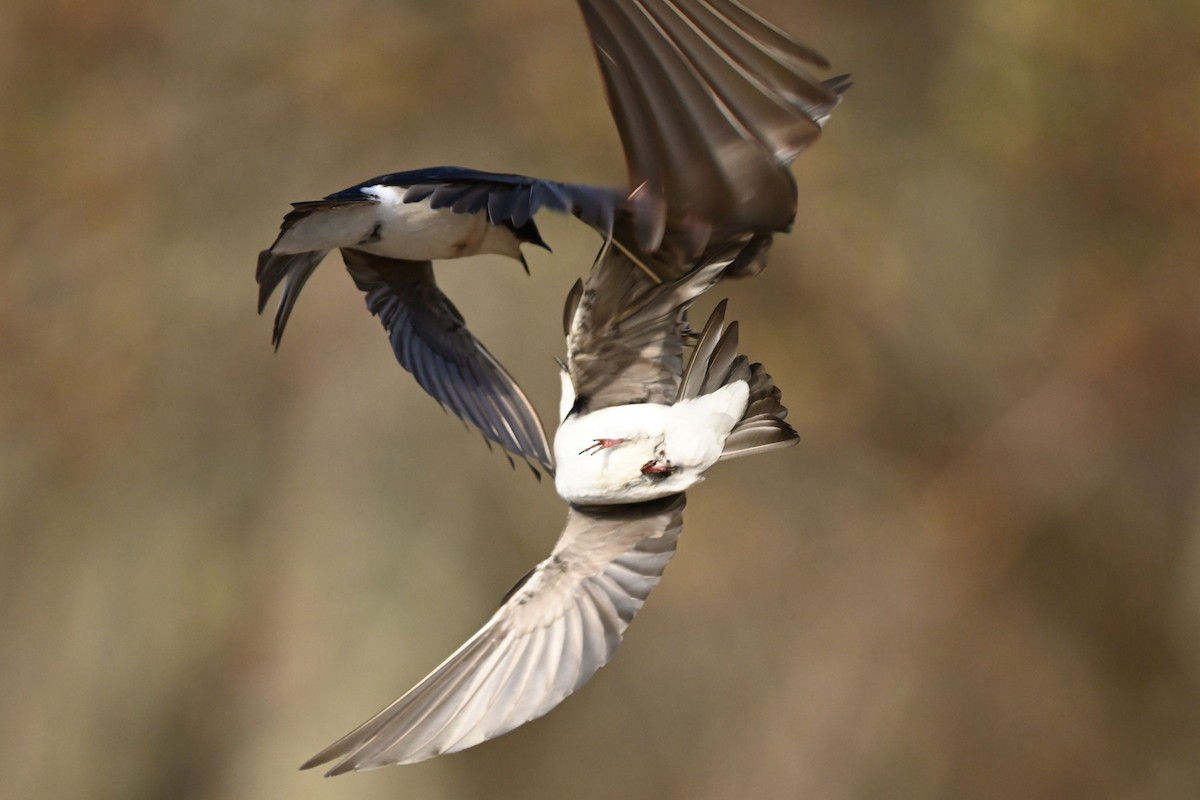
point(762, 427)
point(716, 363)
point(275, 268)
point(693, 377)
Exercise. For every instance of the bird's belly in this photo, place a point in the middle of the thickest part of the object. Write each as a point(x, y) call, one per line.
point(417, 232)
point(589, 474)
point(612, 475)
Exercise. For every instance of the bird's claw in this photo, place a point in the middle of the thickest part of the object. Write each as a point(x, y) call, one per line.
point(657, 469)
point(601, 444)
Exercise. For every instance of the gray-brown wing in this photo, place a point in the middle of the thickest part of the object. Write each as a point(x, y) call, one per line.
point(431, 340)
point(549, 637)
point(626, 329)
point(712, 104)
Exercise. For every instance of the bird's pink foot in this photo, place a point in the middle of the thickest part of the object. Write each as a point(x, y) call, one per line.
point(601, 444)
point(658, 469)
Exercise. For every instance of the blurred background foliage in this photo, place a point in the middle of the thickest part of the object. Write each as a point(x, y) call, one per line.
point(977, 577)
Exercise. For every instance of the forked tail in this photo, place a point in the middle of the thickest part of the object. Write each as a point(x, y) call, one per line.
point(715, 363)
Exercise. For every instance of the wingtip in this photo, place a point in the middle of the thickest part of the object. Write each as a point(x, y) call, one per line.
point(314, 761)
point(838, 84)
point(264, 256)
point(265, 288)
point(347, 765)
point(541, 466)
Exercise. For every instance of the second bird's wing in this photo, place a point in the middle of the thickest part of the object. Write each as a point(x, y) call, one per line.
point(431, 340)
point(712, 103)
point(552, 633)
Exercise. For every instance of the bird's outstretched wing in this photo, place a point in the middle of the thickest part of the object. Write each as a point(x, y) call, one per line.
point(510, 200)
point(712, 104)
point(552, 633)
point(431, 340)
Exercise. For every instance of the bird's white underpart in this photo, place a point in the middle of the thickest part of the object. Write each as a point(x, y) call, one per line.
point(386, 225)
point(644, 451)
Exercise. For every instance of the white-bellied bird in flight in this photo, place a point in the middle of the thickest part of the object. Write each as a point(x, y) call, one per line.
point(649, 431)
point(712, 104)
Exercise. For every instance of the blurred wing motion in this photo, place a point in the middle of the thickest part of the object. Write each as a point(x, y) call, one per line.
point(712, 104)
point(389, 230)
point(552, 633)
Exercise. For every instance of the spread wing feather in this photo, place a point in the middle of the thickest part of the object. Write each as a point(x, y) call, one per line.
point(712, 104)
point(431, 340)
point(548, 639)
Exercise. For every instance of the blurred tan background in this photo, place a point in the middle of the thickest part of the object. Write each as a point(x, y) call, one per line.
point(977, 577)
